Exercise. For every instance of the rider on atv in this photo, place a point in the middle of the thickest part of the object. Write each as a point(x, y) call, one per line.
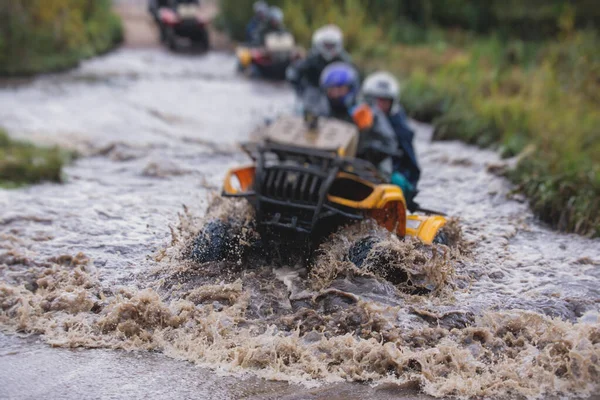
point(155, 5)
point(261, 12)
point(378, 142)
point(274, 24)
point(179, 19)
point(381, 89)
point(327, 47)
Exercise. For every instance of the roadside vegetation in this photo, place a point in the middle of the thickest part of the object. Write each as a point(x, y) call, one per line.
point(47, 35)
point(521, 77)
point(23, 163)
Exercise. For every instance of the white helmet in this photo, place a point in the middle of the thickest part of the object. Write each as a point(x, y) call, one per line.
point(276, 16)
point(328, 41)
point(261, 8)
point(381, 85)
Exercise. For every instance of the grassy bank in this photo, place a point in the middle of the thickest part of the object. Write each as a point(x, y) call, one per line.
point(48, 35)
point(548, 106)
point(23, 163)
point(537, 99)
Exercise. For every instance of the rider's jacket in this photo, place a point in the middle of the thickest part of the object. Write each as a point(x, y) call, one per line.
point(307, 72)
point(408, 164)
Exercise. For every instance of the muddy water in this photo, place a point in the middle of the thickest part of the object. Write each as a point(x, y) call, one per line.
point(101, 263)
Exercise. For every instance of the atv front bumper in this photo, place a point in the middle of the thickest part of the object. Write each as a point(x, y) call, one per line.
point(287, 199)
point(191, 29)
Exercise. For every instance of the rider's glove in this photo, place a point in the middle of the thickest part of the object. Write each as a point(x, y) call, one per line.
point(362, 115)
point(407, 188)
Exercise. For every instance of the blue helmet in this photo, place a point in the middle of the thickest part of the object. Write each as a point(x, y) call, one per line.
point(341, 74)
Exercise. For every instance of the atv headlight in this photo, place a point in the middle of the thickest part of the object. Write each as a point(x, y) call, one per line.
point(239, 180)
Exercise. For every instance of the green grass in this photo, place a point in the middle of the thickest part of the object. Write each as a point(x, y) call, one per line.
point(548, 103)
point(51, 35)
point(497, 90)
point(23, 163)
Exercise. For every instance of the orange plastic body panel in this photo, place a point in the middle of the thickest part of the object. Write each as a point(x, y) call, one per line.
point(425, 227)
point(244, 175)
point(244, 56)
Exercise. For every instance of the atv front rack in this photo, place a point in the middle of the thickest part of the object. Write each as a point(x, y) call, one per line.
point(291, 185)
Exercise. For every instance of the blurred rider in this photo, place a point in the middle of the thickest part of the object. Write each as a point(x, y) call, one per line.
point(261, 11)
point(340, 84)
point(381, 89)
point(154, 6)
point(274, 24)
point(327, 47)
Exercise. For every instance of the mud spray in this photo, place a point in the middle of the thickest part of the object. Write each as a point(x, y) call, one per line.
point(331, 323)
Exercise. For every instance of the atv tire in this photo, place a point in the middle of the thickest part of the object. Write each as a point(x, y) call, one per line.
point(216, 242)
point(171, 39)
point(441, 238)
point(378, 263)
point(203, 43)
point(360, 250)
point(162, 33)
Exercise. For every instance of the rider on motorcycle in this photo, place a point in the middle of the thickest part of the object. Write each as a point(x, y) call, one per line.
point(381, 89)
point(327, 47)
point(261, 11)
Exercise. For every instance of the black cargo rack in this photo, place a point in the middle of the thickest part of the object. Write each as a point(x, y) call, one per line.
point(291, 185)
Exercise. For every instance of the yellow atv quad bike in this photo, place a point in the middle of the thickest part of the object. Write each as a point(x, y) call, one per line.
point(304, 184)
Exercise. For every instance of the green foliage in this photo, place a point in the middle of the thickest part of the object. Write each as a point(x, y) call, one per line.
point(422, 100)
point(404, 20)
point(547, 98)
point(531, 19)
point(45, 35)
point(236, 14)
point(23, 163)
point(568, 199)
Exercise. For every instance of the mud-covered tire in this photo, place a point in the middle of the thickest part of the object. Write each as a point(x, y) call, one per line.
point(379, 262)
point(216, 242)
point(162, 33)
point(171, 39)
point(441, 238)
point(204, 42)
point(359, 251)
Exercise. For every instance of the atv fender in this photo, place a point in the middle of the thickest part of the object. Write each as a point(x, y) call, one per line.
point(239, 180)
point(384, 203)
point(244, 57)
point(425, 227)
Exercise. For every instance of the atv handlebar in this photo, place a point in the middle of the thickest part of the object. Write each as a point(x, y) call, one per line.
point(387, 152)
point(376, 154)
